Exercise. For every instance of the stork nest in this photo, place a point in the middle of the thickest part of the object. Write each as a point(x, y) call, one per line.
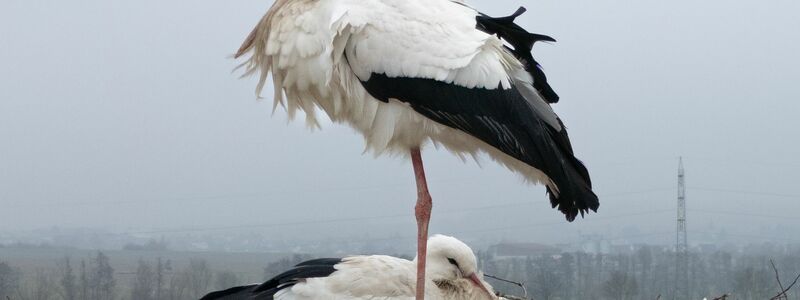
point(510, 297)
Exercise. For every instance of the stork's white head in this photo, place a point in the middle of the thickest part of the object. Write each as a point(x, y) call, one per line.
point(451, 264)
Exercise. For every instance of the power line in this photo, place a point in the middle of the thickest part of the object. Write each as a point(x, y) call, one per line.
point(758, 236)
point(276, 193)
point(561, 222)
point(743, 192)
point(742, 214)
point(410, 238)
point(366, 218)
point(739, 161)
point(647, 191)
point(338, 220)
point(635, 161)
point(264, 194)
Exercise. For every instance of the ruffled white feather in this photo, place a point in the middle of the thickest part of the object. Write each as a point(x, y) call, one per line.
point(317, 50)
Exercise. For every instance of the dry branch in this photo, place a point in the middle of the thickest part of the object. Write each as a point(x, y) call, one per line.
point(520, 284)
point(783, 294)
point(778, 278)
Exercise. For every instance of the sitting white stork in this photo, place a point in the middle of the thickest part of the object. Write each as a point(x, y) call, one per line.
point(408, 72)
point(452, 271)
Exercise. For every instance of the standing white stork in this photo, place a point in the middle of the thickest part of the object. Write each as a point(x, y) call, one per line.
point(452, 275)
point(408, 72)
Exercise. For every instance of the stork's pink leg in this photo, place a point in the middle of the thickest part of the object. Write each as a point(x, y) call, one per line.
point(423, 214)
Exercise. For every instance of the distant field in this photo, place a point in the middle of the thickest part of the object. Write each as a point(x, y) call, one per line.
point(247, 265)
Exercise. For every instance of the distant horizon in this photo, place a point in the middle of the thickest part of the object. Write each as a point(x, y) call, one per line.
point(139, 126)
point(243, 242)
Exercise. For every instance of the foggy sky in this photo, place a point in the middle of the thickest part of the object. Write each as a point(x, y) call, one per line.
point(125, 115)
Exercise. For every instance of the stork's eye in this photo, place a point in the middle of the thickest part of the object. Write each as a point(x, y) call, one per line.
point(453, 262)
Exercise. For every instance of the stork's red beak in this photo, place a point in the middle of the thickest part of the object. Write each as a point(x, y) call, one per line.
point(477, 282)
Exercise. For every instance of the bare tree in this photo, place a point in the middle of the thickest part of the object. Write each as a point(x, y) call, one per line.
point(543, 274)
point(751, 283)
point(179, 287)
point(144, 285)
point(9, 280)
point(102, 285)
point(198, 277)
point(226, 279)
point(620, 286)
point(69, 288)
point(160, 268)
point(566, 270)
point(84, 282)
point(644, 260)
point(783, 294)
point(42, 287)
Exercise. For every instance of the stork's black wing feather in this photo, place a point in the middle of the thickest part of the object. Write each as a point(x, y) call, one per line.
point(320, 262)
point(503, 119)
point(522, 42)
point(321, 267)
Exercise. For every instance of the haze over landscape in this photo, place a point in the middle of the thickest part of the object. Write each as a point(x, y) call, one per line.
point(125, 117)
point(136, 164)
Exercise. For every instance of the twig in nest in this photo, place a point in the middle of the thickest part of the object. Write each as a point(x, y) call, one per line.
point(778, 279)
point(524, 290)
point(782, 294)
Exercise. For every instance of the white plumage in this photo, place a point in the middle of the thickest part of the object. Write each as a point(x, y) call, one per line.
point(303, 43)
point(452, 274)
point(405, 73)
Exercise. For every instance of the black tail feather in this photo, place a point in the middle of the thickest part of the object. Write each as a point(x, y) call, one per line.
point(522, 42)
point(575, 195)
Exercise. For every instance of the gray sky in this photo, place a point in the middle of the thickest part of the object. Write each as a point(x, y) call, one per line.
point(125, 115)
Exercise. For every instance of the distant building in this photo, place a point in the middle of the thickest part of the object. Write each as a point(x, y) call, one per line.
point(594, 244)
point(512, 250)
